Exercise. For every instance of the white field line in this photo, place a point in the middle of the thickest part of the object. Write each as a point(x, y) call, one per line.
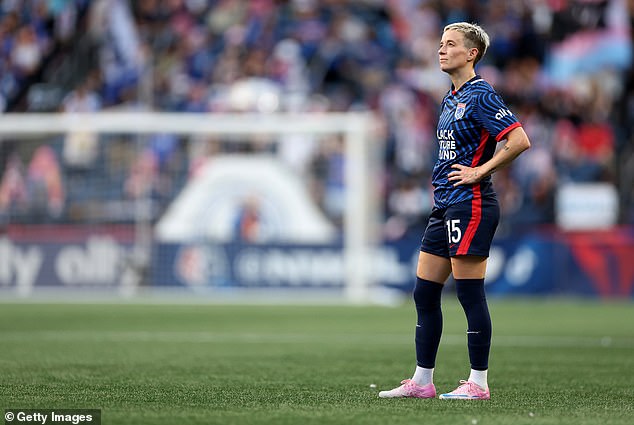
point(303, 338)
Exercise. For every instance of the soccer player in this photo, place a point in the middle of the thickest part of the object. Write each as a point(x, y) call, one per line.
point(473, 119)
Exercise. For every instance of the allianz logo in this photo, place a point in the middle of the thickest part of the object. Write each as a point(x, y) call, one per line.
point(503, 113)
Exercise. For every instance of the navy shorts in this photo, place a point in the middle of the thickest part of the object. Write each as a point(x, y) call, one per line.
point(466, 228)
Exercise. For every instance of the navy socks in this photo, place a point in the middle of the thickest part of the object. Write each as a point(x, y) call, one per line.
point(473, 300)
point(429, 325)
point(470, 292)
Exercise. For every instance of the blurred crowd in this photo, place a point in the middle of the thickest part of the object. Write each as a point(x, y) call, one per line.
point(563, 66)
point(30, 32)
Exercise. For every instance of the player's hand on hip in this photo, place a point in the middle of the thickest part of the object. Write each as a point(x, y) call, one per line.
point(464, 175)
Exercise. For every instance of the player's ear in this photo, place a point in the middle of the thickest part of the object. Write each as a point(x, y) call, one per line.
point(472, 54)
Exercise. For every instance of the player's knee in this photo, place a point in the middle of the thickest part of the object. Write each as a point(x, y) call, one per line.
point(470, 291)
point(427, 294)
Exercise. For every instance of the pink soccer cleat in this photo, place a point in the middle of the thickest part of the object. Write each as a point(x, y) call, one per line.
point(410, 389)
point(467, 391)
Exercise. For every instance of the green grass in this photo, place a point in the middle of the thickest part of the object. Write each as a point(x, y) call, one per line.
point(551, 363)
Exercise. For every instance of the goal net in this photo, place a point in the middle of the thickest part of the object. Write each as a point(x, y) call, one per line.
point(217, 204)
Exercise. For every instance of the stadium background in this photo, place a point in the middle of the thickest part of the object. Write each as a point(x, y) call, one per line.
point(83, 210)
point(117, 294)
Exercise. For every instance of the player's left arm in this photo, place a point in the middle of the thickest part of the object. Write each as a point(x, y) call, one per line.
point(516, 143)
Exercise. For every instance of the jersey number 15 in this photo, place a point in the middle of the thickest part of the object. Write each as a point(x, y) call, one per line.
point(453, 231)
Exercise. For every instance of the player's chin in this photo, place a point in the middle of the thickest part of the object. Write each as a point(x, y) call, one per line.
point(445, 67)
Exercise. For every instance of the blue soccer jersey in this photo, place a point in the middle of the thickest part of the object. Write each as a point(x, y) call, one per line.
point(472, 120)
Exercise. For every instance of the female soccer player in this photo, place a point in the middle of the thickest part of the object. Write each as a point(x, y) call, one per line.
point(458, 237)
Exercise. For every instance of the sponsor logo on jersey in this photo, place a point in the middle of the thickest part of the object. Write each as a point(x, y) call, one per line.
point(447, 144)
point(502, 113)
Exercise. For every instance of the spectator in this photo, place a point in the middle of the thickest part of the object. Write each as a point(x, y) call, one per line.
point(81, 148)
point(26, 53)
point(45, 183)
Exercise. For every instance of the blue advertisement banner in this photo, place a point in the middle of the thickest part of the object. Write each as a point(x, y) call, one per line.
point(276, 265)
point(553, 263)
point(598, 264)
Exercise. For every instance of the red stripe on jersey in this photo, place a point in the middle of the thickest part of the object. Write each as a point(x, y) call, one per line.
point(504, 132)
point(476, 216)
point(484, 137)
point(476, 203)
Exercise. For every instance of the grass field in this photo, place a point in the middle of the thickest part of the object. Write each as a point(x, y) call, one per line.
point(554, 362)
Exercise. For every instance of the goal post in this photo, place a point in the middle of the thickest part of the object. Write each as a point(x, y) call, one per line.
point(363, 167)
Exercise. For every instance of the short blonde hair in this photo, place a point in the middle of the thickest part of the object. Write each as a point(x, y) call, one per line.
point(474, 36)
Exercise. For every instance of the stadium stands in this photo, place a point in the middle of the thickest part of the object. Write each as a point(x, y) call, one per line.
point(334, 55)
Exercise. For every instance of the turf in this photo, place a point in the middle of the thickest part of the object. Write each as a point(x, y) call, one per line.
point(553, 362)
